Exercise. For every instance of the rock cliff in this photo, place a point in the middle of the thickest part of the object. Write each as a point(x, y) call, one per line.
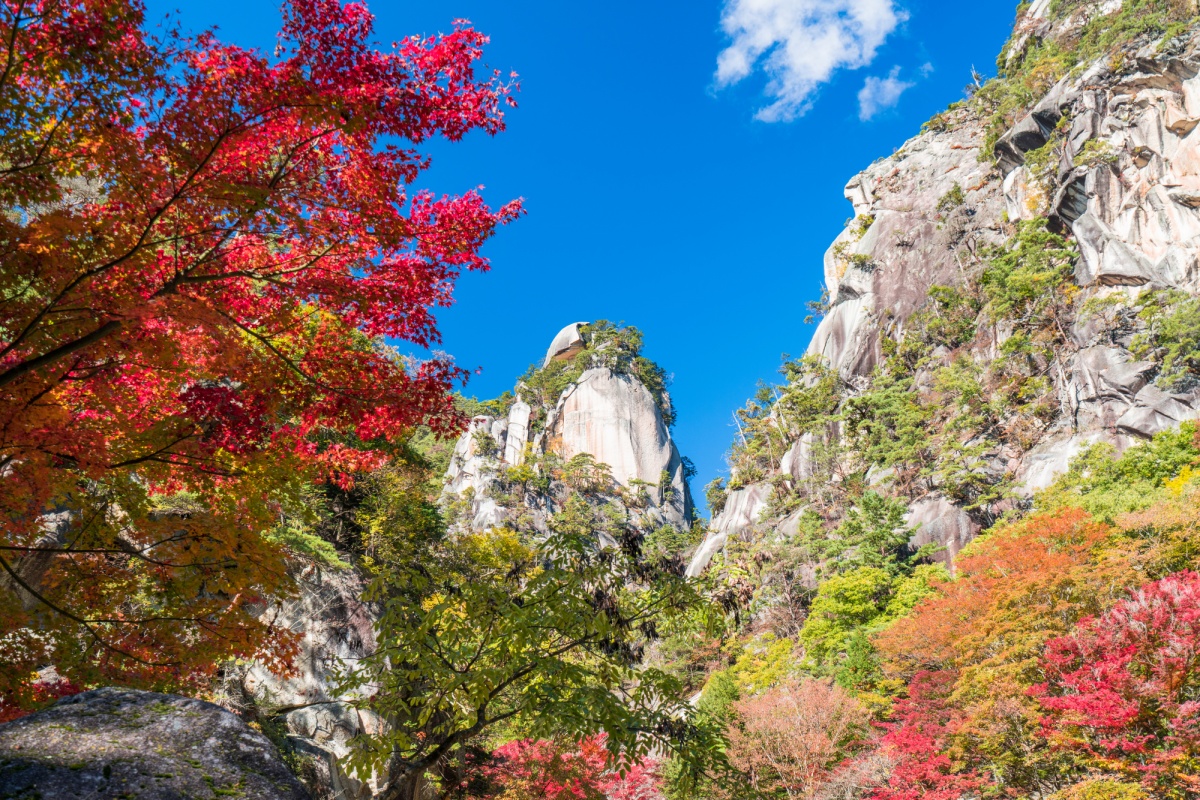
point(338, 629)
point(1098, 177)
point(588, 408)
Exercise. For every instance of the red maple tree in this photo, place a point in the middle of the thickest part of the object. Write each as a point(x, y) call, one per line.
point(539, 768)
point(918, 739)
point(204, 249)
point(1124, 688)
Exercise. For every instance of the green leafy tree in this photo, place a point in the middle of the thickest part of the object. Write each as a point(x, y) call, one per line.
point(1172, 337)
point(873, 534)
point(489, 631)
point(1026, 278)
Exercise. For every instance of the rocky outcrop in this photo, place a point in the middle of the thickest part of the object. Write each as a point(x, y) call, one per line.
point(606, 414)
point(338, 629)
point(1124, 184)
point(566, 344)
point(743, 508)
point(614, 419)
point(122, 743)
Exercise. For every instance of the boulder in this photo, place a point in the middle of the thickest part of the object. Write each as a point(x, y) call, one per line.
point(567, 343)
point(123, 743)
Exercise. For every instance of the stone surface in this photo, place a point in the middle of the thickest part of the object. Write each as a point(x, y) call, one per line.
point(566, 343)
point(936, 520)
point(516, 433)
point(743, 508)
point(609, 416)
point(1133, 212)
point(338, 630)
point(615, 420)
point(122, 743)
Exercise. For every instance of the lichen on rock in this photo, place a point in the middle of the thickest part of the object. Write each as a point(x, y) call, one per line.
point(123, 743)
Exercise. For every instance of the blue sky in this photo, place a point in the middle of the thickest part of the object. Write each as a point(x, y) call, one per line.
point(682, 164)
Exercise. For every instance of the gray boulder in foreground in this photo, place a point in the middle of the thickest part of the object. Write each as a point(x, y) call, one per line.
point(124, 743)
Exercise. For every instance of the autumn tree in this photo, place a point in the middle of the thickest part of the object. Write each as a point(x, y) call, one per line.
point(527, 768)
point(1124, 687)
point(485, 632)
point(918, 741)
point(789, 738)
point(203, 250)
point(1016, 588)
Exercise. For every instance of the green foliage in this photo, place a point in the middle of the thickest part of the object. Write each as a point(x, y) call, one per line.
point(616, 347)
point(438, 451)
point(485, 444)
point(844, 604)
point(1023, 277)
point(667, 540)
point(778, 415)
point(1107, 486)
point(872, 534)
point(952, 199)
point(716, 495)
point(298, 538)
point(1043, 162)
point(719, 694)
point(889, 426)
point(947, 320)
point(480, 630)
point(1094, 153)
point(852, 605)
point(584, 474)
point(861, 224)
point(1102, 789)
point(763, 662)
point(877, 579)
point(1172, 337)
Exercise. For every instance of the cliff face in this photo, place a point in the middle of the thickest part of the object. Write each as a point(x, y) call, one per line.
point(338, 629)
point(517, 468)
point(1102, 172)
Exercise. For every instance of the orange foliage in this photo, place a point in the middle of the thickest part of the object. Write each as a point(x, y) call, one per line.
point(788, 739)
point(1016, 588)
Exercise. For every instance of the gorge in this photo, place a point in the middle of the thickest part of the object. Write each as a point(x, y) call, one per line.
point(955, 555)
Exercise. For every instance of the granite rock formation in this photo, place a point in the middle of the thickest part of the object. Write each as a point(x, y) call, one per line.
point(605, 414)
point(1123, 184)
point(122, 743)
point(338, 629)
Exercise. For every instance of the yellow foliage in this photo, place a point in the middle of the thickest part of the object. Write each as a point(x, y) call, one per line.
point(1101, 789)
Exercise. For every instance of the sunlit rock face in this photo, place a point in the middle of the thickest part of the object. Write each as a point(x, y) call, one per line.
point(1130, 202)
point(741, 513)
point(338, 629)
point(615, 420)
point(609, 416)
point(566, 344)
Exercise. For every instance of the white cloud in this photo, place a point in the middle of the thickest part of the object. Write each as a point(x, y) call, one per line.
point(800, 44)
point(880, 93)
